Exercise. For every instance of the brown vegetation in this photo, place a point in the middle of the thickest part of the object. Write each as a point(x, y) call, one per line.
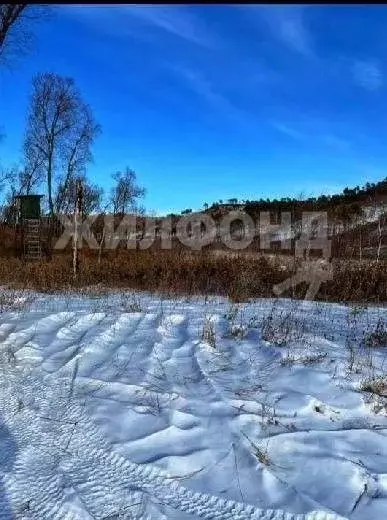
point(174, 272)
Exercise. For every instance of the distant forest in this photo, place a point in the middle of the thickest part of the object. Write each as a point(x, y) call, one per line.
point(343, 206)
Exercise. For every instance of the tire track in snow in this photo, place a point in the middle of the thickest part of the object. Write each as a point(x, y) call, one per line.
point(69, 341)
point(250, 375)
point(16, 339)
point(96, 472)
point(105, 343)
point(174, 343)
point(55, 457)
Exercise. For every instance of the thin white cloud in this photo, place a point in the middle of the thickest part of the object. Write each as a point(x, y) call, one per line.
point(288, 130)
point(287, 23)
point(107, 20)
point(133, 20)
point(200, 85)
point(335, 142)
point(368, 74)
point(176, 20)
point(309, 136)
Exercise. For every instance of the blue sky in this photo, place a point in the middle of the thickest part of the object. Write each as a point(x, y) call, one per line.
point(214, 102)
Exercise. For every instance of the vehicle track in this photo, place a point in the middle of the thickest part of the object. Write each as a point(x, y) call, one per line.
point(73, 455)
point(60, 452)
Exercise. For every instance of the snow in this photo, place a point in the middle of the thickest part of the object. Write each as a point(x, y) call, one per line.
point(125, 405)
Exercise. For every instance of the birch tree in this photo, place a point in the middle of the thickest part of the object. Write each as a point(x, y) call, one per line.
point(125, 192)
point(60, 131)
point(75, 154)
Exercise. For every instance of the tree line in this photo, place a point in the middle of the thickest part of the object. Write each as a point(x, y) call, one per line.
point(60, 132)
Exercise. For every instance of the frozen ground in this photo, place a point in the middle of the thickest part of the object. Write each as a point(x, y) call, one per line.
point(129, 406)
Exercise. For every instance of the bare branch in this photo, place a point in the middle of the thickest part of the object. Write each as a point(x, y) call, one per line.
point(126, 192)
point(15, 32)
point(60, 132)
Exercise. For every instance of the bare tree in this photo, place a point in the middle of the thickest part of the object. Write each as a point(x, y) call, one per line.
point(33, 172)
point(361, 221)
point(377, 212)
point(123, 199)
point(77, 240)
point(76, 153)
point(92, 198)
point(381, 229)
point(91, 195)
point(60, 129)
point(125, 192)
point(15, 27)
point(10, 17)
point(8, 178)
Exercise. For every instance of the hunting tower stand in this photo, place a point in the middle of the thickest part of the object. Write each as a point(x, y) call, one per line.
point(29, 222)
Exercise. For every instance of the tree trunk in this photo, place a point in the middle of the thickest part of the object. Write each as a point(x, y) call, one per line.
point(77, 240)
point(49, 186)
point(379, 240)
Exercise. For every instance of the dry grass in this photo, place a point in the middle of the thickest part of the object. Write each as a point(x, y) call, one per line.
point(376, 386)
point(165, 271)
point(178, 272)
point(303, 360)
point(260, 454)
point(208, 334)
point(378, 337)
point(283, 327)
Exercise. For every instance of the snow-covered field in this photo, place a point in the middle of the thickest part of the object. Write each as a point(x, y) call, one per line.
point(131, 406)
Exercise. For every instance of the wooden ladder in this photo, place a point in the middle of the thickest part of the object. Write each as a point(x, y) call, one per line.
point(31, 240)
